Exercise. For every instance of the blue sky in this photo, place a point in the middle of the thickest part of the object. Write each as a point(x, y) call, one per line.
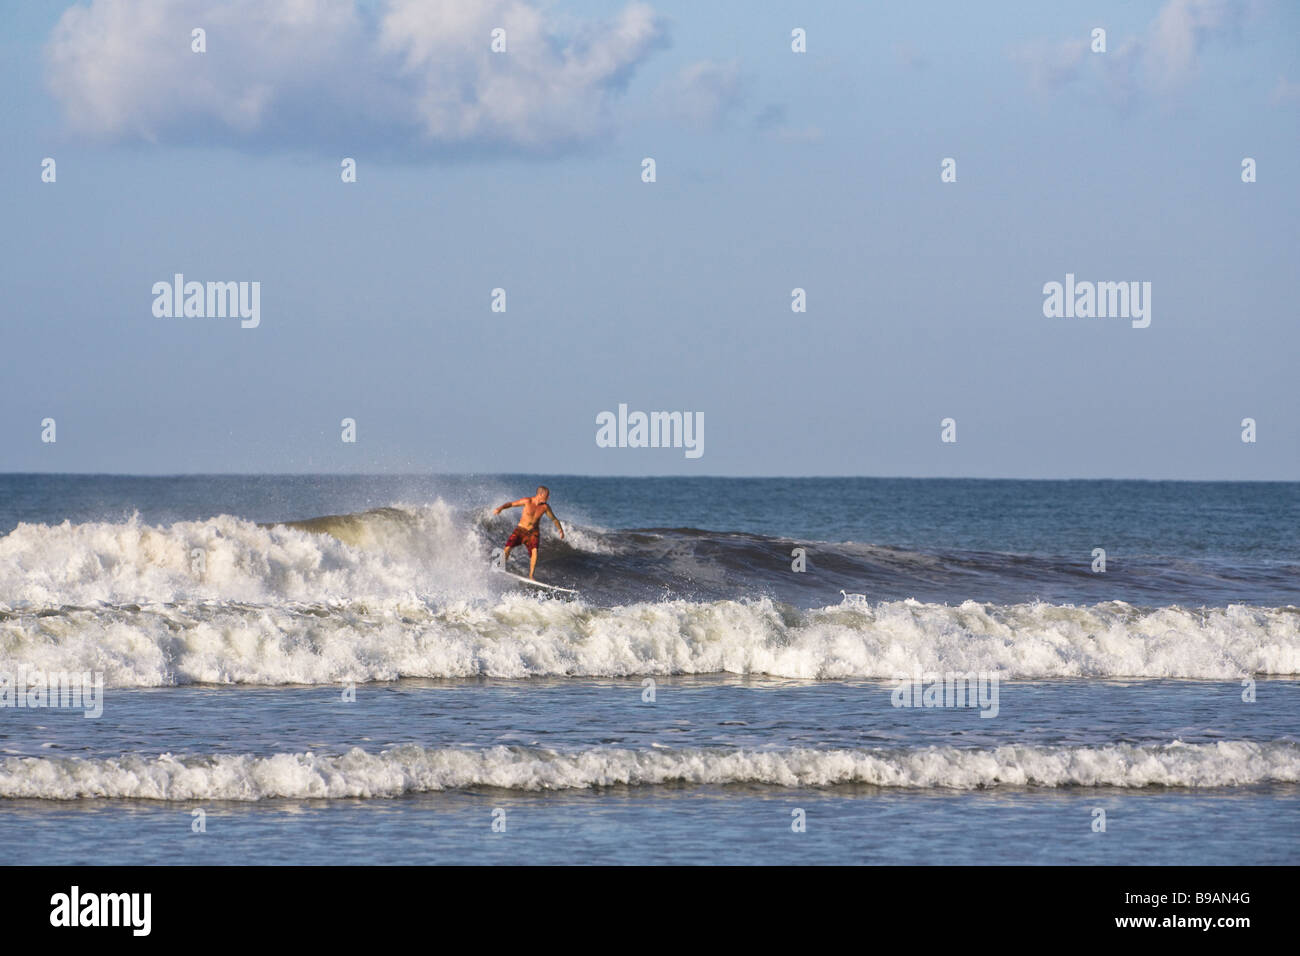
point(775, 170)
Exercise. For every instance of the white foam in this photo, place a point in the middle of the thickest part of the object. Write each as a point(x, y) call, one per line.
point(520, 637)
point(414, 769)
point(386, 554)
point(405, 592)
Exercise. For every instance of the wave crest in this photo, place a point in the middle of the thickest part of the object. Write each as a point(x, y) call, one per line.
point(518, 637)
point(414, 769)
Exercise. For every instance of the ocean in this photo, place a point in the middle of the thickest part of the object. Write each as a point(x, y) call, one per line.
point(324, 669)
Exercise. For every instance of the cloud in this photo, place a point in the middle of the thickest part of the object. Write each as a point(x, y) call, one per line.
point(772, 122)
point(1179, 33)
point(1161, 60)
point(413, 78)
point(1286, 91)
point(706, 94)
point(1052, 66)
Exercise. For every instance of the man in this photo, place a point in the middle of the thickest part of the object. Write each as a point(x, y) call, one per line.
point(529, 530)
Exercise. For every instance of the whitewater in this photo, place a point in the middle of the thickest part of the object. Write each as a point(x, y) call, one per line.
point(405, 592)
point(322, 668)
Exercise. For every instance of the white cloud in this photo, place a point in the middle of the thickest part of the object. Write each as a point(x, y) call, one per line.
point(1052, 65)
point(1161, 60)
point(1178, 34)
point(405, 76)
point(705, 93)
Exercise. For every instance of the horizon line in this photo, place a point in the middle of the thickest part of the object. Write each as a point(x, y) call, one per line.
point(499, 474)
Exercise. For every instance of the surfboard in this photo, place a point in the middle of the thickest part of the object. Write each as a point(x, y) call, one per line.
point(536, 584)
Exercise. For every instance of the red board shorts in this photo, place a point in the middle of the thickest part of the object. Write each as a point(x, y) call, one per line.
point(525, 536)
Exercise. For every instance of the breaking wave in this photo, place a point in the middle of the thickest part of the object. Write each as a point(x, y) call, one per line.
point(406, 592)
point(519, 637)
point(413, 769)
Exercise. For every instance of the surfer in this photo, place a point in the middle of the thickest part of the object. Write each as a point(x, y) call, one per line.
point(529, 530)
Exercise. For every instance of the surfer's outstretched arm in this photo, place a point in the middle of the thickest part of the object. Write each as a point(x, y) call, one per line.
point(556, 520)
point(510, 504)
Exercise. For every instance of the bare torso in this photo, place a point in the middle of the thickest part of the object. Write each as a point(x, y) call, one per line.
point(533, 513)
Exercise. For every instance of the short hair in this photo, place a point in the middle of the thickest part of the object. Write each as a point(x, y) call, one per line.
point(544, 488)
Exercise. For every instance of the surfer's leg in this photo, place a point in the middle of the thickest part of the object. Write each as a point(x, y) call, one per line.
point(511, 541)
point(531, 542)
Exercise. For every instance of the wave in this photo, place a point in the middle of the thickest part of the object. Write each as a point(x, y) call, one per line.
point(437, 552)
point(413, 769)
point(519, 637)
point(406, 592)
point(386, 553)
